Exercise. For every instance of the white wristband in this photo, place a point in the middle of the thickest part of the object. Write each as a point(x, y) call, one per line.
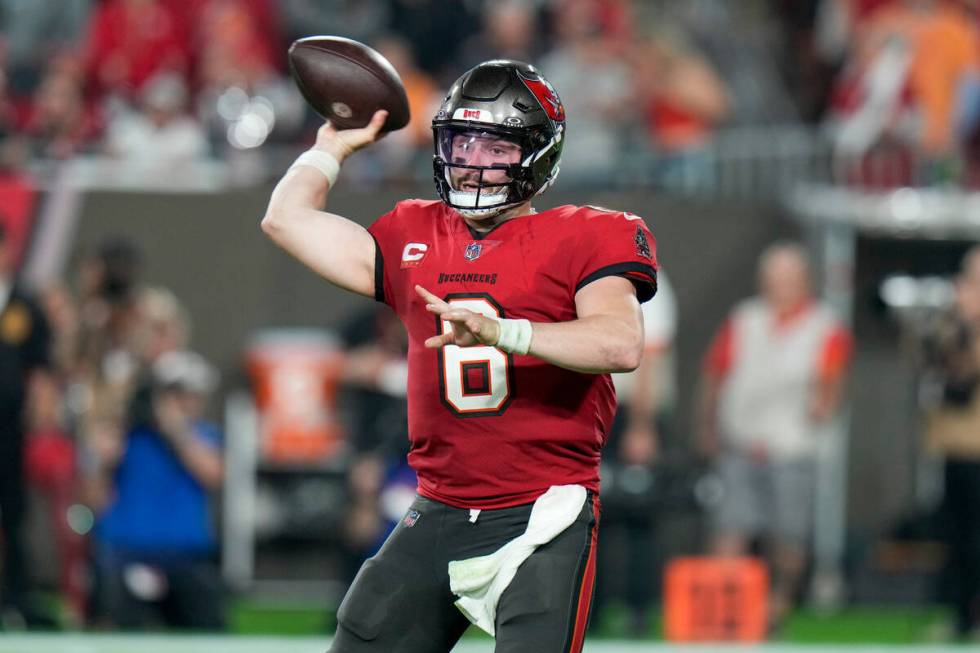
point(322, 161)
point(515, 336)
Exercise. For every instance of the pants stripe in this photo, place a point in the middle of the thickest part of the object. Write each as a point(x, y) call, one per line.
point(584, 602)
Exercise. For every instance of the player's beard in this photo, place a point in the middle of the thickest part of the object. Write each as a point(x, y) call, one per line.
point(473, 197)
point(486, 219)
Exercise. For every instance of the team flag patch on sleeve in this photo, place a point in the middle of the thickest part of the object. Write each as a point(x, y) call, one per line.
point(642, 244)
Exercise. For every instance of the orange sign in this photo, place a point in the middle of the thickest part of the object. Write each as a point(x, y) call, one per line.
point(716, 599)
point(295, 376)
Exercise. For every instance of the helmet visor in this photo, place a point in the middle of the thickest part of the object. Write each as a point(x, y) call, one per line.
point(480, 165)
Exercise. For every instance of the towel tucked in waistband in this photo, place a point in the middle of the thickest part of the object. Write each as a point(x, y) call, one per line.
point(479, 582)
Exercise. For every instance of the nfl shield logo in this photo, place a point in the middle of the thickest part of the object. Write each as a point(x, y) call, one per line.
point(473, 251)
point(411, 518)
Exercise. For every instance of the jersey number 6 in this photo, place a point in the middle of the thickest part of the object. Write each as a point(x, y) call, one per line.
point(474, 381)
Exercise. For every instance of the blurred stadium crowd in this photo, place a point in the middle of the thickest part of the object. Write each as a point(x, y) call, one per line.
point(881, 94)
point(891, 84)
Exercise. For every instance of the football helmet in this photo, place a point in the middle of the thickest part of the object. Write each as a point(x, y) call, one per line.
point(498, 137)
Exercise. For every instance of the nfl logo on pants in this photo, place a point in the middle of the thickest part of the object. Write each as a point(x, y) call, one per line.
point(411, 518)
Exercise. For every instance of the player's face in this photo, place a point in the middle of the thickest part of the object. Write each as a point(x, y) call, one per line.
point(481, 149)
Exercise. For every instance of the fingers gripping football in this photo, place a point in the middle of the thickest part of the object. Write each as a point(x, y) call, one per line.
point(468, 328)
point(345, 142)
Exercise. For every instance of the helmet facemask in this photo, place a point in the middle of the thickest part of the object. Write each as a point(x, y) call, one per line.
point(479, 171)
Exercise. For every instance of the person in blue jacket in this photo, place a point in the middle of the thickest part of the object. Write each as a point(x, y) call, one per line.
point(155, 543)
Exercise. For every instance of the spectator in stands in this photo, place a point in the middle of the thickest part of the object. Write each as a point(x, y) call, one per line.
point(238, 39)
point(24, 365)
point(952, 353)
point(913, 55)
point(109, 285)
point(946, 63)
point(361, 20)
point(62, 314)
point(436, 29)
point(508, 31)
point(420, 88)
point(147, 324)
point(645, 399)
point(774, 376)
point(132, 41)
point(375, 384)
point(614, 19)
point(684, 100)
point(60, 124)
point(599, 110)
point(242, 93)
point(13, 147)
point(160, 135)
point(816, 37)
point(36, 31)
point(155, 542)
point(108, 358)
point(812, 39)
point(51, 456)
point(52, 475)
point(163, 324)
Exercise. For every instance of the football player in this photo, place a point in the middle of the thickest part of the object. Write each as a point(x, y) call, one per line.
point(515, 319)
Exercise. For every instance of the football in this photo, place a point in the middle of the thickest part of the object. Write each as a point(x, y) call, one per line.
point(346, 82)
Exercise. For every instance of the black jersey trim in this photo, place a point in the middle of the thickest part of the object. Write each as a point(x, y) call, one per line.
point(481, 235)
point(379, 272)
point(643, 276)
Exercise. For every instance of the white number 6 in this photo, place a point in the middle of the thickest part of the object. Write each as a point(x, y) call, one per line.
point(474, 381)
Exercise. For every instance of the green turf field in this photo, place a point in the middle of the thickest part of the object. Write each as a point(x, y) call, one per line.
point(854, 625)
point(275, 628)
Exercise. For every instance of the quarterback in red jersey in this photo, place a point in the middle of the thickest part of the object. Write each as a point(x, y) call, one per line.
point(515, 320)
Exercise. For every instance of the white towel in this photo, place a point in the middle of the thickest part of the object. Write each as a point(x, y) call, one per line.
point(479, 582)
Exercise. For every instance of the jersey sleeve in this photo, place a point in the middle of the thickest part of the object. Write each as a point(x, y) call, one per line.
point(616, 244)
point(385, 243)
point(721, 352)
point(835, 355)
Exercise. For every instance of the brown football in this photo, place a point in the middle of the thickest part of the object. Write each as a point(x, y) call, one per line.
point(346, 82)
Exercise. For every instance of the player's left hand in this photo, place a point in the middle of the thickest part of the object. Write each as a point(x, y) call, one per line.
point(469, 328)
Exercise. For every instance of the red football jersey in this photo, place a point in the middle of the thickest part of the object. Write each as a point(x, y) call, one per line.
point(490, 429)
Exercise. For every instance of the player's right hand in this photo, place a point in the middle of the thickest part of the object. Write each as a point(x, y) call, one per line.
point(341, 144)
point(468, 328)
